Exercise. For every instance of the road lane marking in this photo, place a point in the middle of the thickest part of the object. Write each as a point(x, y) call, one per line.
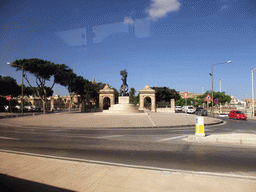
point(171, 138)
point(152, 122)
point(133, 166)
point(9, 138)
point(109, 136)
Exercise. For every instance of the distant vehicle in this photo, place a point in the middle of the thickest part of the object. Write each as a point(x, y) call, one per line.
point(188, 109)
point(198, 109)
point(27, 108)
point(237, 114)
point(201, 112)
point(17, 108)
point(35, 108)
point(191, 110)
point(6, 107)
point(178, 108)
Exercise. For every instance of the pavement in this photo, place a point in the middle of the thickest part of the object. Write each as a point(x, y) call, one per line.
point(45, 173)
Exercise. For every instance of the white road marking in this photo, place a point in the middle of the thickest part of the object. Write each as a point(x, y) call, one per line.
point(9, 138)
point(135, 166)
point(172, 138)
point(109, 136)
point(152, 122)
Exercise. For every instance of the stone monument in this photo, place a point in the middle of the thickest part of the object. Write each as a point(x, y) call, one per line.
point(123, 106)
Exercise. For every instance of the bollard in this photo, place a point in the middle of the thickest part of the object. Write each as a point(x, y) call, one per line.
point(200, 126)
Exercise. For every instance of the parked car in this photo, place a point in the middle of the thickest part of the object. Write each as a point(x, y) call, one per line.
point(178, 109)
point(27, 108)
point(201, 112)
point(198, 109)
point(237, 114)
point(36, 108)
point(191, 110)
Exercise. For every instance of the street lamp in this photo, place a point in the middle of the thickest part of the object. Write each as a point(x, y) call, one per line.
point(252, 71)
point(211, 74)
point(22, 67)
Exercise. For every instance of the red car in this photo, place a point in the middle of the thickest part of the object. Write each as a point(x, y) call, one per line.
point(236, 114)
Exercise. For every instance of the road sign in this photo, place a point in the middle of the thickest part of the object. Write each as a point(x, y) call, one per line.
point(216, 101)
point(208, 98)
point(191, 102)
point(8, 98)
point(186, 95)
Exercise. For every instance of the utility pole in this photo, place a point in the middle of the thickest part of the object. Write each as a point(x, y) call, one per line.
point(211, 74)
point(203, 89)
point(252, 71)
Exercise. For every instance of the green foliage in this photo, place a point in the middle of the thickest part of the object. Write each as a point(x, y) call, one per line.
point(165, 94)
point(9, 86)
point(132, 92)
point(221, 96)
point(43, 71)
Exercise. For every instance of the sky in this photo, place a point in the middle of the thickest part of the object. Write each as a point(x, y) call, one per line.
point(171, 43)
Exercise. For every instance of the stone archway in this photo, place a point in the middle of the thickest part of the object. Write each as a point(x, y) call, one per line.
point(106, 92)
point(148, 92)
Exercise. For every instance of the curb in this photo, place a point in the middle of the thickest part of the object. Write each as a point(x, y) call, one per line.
point(147, 127)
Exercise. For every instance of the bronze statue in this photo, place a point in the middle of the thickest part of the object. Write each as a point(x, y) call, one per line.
point(124, 87)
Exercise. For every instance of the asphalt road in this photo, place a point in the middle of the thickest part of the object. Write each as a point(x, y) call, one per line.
point(154, 148)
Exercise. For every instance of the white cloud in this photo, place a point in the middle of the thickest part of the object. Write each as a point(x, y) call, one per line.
point(160, 8)
point(128, 21)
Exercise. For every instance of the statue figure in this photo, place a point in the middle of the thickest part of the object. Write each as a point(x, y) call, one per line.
point(124, 87)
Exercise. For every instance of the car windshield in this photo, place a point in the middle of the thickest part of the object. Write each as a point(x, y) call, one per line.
point(190, 107)
point(239, 112)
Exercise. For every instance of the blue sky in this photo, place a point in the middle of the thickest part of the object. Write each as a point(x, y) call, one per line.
point(170, 43)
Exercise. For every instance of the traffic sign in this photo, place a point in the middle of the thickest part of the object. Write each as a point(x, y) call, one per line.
point(208, 98)
point(186, 95)
point(216, 101)
point(8, 98)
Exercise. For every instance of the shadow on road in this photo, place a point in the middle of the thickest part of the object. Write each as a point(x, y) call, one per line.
point(11, 184)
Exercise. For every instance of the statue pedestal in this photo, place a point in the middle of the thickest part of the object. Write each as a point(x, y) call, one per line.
point(123, 107)
point(123, 100)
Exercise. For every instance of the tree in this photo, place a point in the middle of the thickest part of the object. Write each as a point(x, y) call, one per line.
point(221, 96)
point(165, 94)
point(84, 88)
point(132, 92)
point(9, 86)
point(67, 82)
point(43, 71)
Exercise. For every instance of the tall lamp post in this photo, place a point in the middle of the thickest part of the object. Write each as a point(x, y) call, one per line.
point(22, 67)
point(252, 71)
point(211, 74)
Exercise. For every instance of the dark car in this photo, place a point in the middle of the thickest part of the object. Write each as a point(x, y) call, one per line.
point(237, 114)
point(201, 112)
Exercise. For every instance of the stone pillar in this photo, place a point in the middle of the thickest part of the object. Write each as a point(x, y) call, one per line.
point(153, 103)
point(173, 105)
point(106, 92)
point(141, 103)
point(52, 103)
point(148, 92)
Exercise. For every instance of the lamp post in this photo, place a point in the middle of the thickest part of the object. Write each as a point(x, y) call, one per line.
point(22, 67)
point(211, 74)
point(252, 71)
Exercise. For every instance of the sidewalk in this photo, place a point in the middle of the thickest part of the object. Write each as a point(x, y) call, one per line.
point(238, 139)
point(49, 173)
